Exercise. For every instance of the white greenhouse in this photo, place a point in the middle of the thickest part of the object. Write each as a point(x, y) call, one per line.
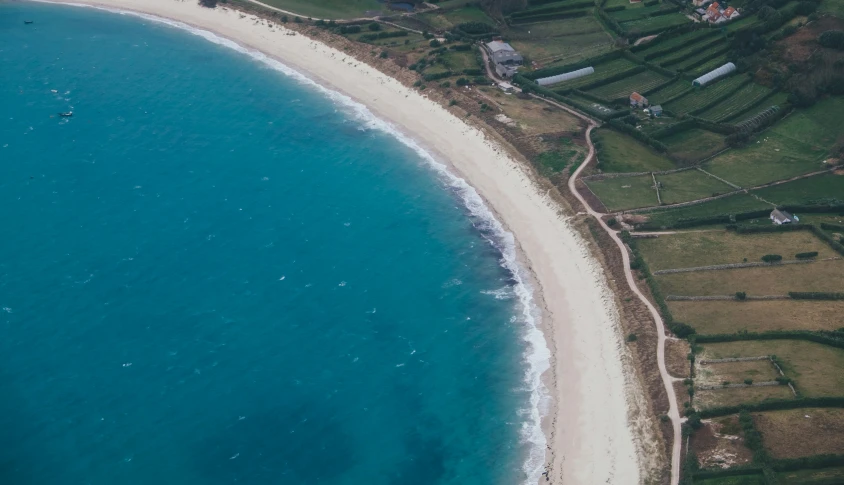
point(713, 75)
point(547, 81)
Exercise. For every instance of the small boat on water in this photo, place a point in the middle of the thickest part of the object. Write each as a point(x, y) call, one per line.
point(66, 115)
point(28, 21)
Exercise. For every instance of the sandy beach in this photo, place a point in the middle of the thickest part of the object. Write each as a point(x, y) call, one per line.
point(590, 433)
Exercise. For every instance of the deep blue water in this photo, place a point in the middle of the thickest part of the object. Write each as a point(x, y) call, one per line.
point(213, 273)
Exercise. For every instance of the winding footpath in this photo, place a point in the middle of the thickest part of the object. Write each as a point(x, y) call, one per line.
point(667, 379)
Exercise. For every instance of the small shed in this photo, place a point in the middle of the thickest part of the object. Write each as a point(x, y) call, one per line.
point(656, 110)
point(779, 217)
point(499, 46)
point(638, 101)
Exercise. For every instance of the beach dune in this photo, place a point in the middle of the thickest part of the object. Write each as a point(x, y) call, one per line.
point(584, 392)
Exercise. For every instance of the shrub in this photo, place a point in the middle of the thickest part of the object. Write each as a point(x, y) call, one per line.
point(434, 43)
point(694, 421)
point(771, 258)
point(748, 381)
point(284, 19)
point(832, 38)
point(462, 81)
point(208, 3)
point(806, 255)
point(297, 20)
point(740, 295)
point(349, 29)
point(374, 26)
point(417, 84)
point(682, 330)
point(612, 222)
point(725, 383)
point(453, 102)
point(632, 337)
point(480, 80)
point(445, 84)
point(664, 418)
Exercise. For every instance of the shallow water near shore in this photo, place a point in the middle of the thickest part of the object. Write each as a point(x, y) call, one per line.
point(214, 273)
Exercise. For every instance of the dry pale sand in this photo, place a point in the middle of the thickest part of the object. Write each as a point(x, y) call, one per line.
point(588, 426)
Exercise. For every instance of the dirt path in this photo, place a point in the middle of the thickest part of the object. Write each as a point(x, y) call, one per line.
point(667, 379)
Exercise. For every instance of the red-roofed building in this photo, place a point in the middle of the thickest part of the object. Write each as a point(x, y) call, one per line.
point(638, 101)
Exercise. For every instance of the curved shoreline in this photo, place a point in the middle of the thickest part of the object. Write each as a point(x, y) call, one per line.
point(588, 428)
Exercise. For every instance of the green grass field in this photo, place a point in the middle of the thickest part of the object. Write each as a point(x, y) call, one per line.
point(566, 48)
point(621, 153)
point(637, 11)
point(625, 192)
point(450, 18)
point(622, 88)
point(692, 53)
point(796, 145)
point(708, 66)
point(457, 61)
point(657, 50)
point(328, 9)
point(669, 91)
point(695, 144)
point(822, 189)
point(835, 7)
point(778, 99)
point(689, 185)
point(733, 204)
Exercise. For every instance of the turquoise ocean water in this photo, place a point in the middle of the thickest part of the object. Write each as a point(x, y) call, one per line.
point(217, 272)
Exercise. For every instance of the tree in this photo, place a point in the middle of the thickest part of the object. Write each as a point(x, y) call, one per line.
point(434, 43)
point(375, 26)
point(208, 3)
point(832, 38)
point(740, 295)
point(284, 19)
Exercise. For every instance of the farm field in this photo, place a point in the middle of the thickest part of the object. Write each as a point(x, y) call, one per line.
point(835, 7)
point(701, 97)
point(328, 9)
point(541, 31)
point(697, 248)
point(655, 24)
point(655, 50)
point(822, 476)
point(566, 48)
point(689, 185)
point(738, 102)
point(735, 372)
point(801, 432)
point(794, 146)
point(448, 19)
point(716, 317)
point(602, 71)
point(828, 188)
point(624, 192)
point(692, 53)
point(826, 276)
point(457, 61)
point(695, 144)
point(622, 88)
point(756, 479)
point(669, 91)
point(741, 395)
point(815, 368)
point(621, 153)
point(692, 61)
point(633, 12)
point(778, 99)
point(734, 204)
point(709, 65)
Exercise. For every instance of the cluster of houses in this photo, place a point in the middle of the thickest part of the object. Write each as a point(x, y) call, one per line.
point(505, 58)
point(639, 101)
point(714, 13)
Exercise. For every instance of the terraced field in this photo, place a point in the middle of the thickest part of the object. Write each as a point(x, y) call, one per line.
point(709, 65)
point(629, 14)
point(655, 24)
point(602, 71)
point(778, 99)
point(692, 52)
point(665, 48)
point(639, 82)
point(740, 101)
point(691, 63)
point(701, 97)
point(669, 91)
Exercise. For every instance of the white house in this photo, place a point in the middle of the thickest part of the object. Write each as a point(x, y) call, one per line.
point(779, 217)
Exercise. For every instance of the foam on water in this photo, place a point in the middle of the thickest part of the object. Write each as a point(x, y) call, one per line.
point(537, 354)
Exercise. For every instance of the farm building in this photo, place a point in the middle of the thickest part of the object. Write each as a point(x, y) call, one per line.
point(700, 3)
point(779, 217)
point(505, 58)
point(715, 14)
point(656, 110)
point(547, 81)
point(638, 101)
point(700, 13)
point(714, 74)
